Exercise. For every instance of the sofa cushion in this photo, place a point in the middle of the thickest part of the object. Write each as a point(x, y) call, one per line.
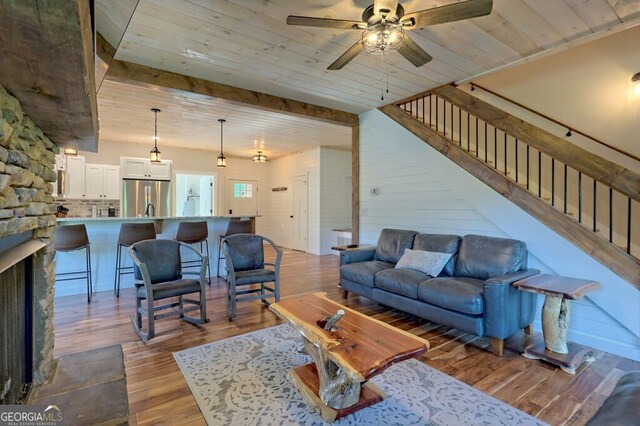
point(363, 272)
point(485, 257)
point(400, 281)
point(429, 262)
point(441, 243)
point(392, 243)
point(458, 294)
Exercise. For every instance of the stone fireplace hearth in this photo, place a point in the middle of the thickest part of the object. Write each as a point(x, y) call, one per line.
point(27, 212)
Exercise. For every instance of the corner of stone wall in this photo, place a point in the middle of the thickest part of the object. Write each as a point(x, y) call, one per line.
point(27, 159)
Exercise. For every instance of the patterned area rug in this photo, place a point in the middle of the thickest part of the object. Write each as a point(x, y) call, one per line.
point(243, 381)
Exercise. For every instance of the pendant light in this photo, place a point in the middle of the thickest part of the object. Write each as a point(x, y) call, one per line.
point(259, 158)
point(222, 160)
point(154, 155)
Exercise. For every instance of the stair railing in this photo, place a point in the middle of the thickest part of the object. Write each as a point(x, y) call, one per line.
point(606, 211)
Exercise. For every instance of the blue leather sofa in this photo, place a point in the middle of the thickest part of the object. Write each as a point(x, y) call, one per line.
point(472, 293)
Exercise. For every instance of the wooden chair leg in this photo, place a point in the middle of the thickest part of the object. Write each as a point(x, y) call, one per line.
point(345, 293)
point(497, 346)
point(529, 330)
point(151, 330)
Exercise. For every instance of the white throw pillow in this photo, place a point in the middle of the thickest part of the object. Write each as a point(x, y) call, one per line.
point(429, 262)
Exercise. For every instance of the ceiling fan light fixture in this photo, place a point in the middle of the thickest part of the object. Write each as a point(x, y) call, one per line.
point(259, 158)
point(383, 38)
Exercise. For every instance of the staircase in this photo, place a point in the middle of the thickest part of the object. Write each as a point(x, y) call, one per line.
point(588, 200)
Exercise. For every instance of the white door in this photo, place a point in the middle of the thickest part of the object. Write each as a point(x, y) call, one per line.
point(206, 196)
point(111, 182)
point(299, 213)
point(242, 197)
point(94, 181)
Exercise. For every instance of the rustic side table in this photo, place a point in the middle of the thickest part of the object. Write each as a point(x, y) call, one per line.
point(558, 292)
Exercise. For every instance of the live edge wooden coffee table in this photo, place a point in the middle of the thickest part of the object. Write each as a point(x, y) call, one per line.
point(360, 347)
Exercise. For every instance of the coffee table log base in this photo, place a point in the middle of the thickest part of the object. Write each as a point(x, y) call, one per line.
point(305, 379)
point(569, 362)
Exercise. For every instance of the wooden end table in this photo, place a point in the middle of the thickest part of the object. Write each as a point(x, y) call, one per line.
point(358, 348)
point(558, 292)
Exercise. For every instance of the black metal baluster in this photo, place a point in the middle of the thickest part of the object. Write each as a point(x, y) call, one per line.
point(410, 108)
point(459, 126)
point(452, 123)
point(468, 133)
point(629, 225)
point(430, 109)
point(579, 197)
point(424, 111)
point(610, 215)
point(505, 154)
point(517, 161)
point(565, 189)
point(553, 181)
point(539, 173)
point(444, 117)
point(527, 167)
point(495, 148)
point(485, 142)
point(437, 115)
point(595, 210)
point(477, 137)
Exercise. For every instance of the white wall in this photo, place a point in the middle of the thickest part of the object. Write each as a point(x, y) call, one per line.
point(335, 196)
point(279, 205)
point(588, 87)
point(328, 198)
point(422, 190)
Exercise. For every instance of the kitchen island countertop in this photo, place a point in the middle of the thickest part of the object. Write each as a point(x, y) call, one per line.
point(143, 218)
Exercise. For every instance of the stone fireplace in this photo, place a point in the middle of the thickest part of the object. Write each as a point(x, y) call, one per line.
point(27, 224)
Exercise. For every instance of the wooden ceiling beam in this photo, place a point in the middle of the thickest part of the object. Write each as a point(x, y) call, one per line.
point(48, 65)
point(144, 76)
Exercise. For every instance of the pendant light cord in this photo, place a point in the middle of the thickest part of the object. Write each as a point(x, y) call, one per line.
point(155, 131)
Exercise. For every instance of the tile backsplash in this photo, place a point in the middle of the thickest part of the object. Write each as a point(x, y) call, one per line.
point(82, 207)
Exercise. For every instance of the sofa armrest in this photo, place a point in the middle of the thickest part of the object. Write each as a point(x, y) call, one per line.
point(357, 255)
point(508, 309)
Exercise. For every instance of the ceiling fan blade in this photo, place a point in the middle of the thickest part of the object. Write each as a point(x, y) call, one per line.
point(414, 53)
point(308, 21)
point(347, 56)
point(388, 7)
point(449, 13)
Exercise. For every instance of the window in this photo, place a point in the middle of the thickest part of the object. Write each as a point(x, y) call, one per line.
point(242, 190)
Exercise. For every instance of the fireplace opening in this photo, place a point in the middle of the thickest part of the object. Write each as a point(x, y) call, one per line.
point(16, 332)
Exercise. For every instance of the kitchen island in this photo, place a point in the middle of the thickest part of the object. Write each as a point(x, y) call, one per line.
point(103, 236)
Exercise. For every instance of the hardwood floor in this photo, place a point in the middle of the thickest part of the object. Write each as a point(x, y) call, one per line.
point(158, 393)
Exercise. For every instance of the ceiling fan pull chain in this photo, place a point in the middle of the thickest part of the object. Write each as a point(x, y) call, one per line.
point(381, 80)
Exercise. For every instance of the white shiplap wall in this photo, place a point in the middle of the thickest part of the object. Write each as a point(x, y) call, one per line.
point(420, 189)
point(278, 206)
point(335, 195)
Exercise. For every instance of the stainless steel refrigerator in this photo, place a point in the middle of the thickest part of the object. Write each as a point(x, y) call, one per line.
point(146, 197)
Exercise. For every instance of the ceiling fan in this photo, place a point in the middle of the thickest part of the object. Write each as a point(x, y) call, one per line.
point(384, 23)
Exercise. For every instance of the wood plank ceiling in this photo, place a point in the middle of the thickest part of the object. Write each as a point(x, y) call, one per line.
point(248, 44)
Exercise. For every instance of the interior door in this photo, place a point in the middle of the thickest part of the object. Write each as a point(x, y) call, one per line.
point(242, 197)
point(206, 196)
point(299, 213)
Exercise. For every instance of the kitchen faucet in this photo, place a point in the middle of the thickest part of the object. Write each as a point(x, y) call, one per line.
point(150, 207)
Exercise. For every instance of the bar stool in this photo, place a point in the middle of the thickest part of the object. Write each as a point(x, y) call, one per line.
point(72, 238)
point(130, 233)
point(194, 233)
point(234, 227)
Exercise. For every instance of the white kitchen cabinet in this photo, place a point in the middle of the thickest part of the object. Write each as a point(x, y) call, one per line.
point(102, 181)
point(142, 168)
point(75, 177)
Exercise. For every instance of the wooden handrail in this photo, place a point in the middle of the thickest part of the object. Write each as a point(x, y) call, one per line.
point(553, 120)
point(604, 171)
